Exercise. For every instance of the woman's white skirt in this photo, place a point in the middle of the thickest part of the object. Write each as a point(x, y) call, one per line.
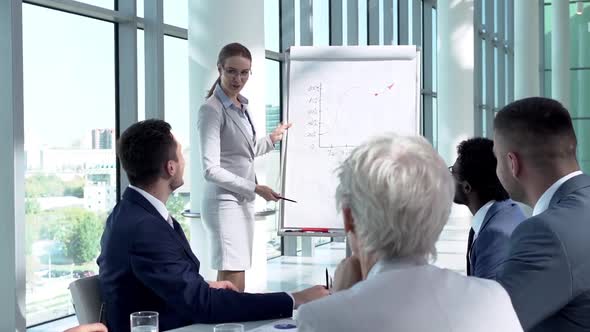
point(230, 226)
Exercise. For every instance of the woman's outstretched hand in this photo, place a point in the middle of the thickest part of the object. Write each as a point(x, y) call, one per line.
point(277, 134)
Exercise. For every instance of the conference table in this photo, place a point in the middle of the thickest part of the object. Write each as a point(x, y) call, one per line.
point(209, 327)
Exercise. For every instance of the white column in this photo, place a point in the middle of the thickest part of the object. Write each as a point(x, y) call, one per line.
point(526, 49)
point(213, 24)
point(456, 54)
point(12, 166)
point(455, 75)
point(560, 52)
point(154, 59)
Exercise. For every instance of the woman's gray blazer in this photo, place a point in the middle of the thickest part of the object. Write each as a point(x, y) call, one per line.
point(228, 153)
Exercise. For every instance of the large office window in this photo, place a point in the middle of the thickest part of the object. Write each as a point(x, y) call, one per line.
point(140, 75)
point(176, 99)
point(579, 16)
point(434, 70)
point(109, 4)
point(429, 70)
point(269, 165)
point(70, 182)
point(271, 25)
point(321, 22)
point(271, 162)
point(494, 58)
point(71, 116)
point(175, 12)
point(361, 22)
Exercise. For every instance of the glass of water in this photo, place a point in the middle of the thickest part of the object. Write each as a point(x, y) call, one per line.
point(229, 328)
point(144, 321)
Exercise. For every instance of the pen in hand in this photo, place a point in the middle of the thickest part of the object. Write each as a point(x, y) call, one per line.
point(327, 280)
point(284, 198)
point(100, 313)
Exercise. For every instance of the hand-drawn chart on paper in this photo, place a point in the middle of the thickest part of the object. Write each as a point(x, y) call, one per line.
point(335, 105)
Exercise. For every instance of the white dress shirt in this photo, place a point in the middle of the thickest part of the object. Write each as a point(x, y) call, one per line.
point(479, 217)
point(160, 207)
point(228, 103)
point(543, 202)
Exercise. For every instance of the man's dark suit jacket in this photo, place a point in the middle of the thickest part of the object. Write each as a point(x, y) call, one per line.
point(145, 265)
point(547, 273)
point(491, 246)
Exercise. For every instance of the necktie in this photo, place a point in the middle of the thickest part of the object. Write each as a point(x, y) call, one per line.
point(170, 221)
point(469, 245)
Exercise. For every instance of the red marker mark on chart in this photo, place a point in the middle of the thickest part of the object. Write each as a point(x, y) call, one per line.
point(389, 87)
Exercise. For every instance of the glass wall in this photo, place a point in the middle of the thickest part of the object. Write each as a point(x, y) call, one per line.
point(70, 179)
point(494, 59)
point(269, 166)
point(176, 100)
point(579, 18)
point(176, 13)
point(72, 117)
point(109, 4)
point(429, 70)
point(359, 22)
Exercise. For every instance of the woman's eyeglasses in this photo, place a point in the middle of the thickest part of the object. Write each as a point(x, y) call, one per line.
point(232, 72)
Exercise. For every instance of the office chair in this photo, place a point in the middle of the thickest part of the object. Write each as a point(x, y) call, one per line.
point(87, 300)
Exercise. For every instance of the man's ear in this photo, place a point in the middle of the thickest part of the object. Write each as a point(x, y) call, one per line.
point(348, 220)
point(466, 187)
point(171, 168)
point(515, 164)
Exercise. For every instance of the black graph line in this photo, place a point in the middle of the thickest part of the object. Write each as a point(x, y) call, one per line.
point(320, 112)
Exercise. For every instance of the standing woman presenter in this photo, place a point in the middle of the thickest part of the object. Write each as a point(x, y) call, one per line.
point(229, 144)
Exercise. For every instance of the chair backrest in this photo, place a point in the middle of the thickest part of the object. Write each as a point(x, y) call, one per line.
point(87, 300)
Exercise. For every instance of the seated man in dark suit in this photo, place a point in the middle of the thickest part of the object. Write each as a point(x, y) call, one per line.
point(494, 215)
point(547, 274)
point(146, 263)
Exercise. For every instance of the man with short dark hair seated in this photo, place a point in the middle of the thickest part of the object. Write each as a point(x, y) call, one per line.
point(146, 263)
point(495, 215)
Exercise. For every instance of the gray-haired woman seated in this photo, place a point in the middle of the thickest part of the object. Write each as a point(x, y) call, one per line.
point(395, 194)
